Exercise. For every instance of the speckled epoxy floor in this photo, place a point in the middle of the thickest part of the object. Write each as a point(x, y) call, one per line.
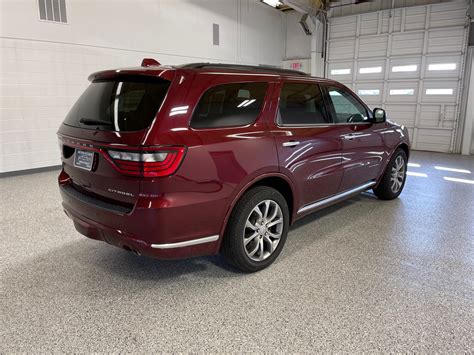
point(364, 275)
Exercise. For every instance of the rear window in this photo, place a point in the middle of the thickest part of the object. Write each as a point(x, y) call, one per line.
point(236, 104)
point(301, 104)
point(119, 104)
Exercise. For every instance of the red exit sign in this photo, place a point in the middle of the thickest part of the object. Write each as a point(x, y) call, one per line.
point(296, 65)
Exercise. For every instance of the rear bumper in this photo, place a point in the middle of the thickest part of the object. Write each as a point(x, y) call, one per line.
point(124, 240)
point(166, 227)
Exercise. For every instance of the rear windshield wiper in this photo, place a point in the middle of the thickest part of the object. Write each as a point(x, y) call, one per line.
point(92, 121)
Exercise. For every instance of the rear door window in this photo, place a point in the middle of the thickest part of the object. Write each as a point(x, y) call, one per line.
point(228, 105)
point(301, 104)
point(345, 107)
point(120, 104)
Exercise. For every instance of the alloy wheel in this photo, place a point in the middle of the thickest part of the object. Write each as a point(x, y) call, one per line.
point(263, 230)
point(398, 174)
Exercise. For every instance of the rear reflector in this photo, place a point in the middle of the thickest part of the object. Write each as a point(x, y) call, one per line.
point(151, 162)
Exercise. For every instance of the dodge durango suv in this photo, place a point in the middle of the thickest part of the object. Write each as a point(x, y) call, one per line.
point(197, 159)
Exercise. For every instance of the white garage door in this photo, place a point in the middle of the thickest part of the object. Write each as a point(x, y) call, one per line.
point(410, 62)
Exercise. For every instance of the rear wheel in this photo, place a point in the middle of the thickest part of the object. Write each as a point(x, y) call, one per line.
point(257, 229)
point(394, 177)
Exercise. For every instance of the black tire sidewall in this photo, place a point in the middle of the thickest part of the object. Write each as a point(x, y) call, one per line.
point(384, 190)
point(234, 249)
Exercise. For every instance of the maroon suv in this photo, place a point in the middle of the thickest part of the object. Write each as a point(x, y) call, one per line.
point(197, 159)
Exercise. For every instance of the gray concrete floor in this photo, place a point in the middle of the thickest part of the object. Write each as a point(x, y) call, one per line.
point(364, 275)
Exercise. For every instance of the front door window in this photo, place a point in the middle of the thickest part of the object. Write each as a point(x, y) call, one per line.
point(346, 108)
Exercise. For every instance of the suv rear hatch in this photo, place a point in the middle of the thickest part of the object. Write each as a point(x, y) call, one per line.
point(101, 137)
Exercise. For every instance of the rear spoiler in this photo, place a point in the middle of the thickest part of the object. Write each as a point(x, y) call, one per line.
point(149, 67)
point(166, 73)
point(148, 62)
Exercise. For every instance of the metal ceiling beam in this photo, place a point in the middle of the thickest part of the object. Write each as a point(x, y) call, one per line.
point(311, 7)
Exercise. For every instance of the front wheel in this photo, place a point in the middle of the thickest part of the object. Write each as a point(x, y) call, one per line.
point(394, 177)
point(257, 229)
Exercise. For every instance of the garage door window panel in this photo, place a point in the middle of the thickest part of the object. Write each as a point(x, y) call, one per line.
point(441, 66)
point(404, 68)
point(370, 70)
point(340, 71)
point(368, 92)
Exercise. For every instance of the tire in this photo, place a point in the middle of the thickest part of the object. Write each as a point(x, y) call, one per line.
point(388, 189)
point(241, 239)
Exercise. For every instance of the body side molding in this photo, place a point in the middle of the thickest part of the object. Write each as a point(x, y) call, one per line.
point(186, 243)
point(335, 198)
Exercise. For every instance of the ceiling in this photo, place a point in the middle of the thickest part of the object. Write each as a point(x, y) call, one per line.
point(347, 7)
point(351, 7)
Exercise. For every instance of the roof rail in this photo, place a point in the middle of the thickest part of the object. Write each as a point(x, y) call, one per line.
point(242, 67)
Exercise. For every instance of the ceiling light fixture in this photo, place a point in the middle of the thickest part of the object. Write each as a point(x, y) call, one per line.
point(273, 3)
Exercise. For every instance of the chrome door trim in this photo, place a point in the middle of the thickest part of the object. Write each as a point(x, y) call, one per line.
point(187, 243)
point(349, 136)
point(329, 124)
point(290, 144)
point(338, 197)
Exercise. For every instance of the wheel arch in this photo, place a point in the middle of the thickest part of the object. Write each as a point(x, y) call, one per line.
point(405, 148)
point(278, 181)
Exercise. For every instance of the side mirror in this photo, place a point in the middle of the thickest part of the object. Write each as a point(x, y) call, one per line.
point(379, 115)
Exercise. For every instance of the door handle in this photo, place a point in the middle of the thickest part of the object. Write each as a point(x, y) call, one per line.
point(349, 136)
point(290, 144)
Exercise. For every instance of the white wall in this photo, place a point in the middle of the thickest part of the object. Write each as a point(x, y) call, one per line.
point(298, 45)
point(303, 65)
point(469, 120)
point(467, 145)
point(472, 141)
point(301, 47)
point(44, 66)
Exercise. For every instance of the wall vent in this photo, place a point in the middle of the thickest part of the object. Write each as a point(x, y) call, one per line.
point(52, 10)
point(215, 34)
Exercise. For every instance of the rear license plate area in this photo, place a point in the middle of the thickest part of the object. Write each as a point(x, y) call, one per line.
point(84, 159)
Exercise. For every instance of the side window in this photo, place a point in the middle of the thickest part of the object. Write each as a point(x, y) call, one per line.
point(345, 107)
point(227, 105)
point(301, 104)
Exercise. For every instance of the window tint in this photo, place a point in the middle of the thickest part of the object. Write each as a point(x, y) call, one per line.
point(125, 104)
point(301, 104)
point(228, 105)
point(345, 107)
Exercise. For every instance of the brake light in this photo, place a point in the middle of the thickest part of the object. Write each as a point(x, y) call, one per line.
point(149, 162)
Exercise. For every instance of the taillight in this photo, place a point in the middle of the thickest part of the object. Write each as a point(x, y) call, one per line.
point(149, 162)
